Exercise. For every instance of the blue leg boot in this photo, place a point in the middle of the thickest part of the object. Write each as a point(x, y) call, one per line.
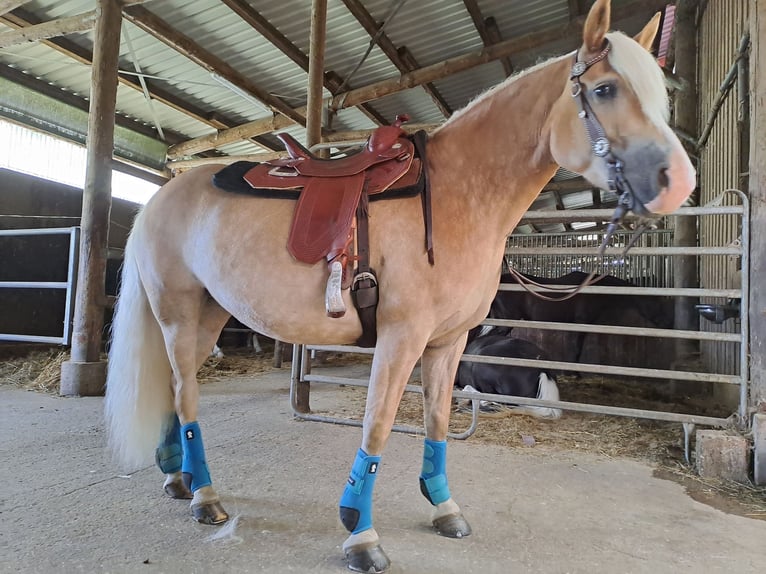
point(362, 550)
point(206, 507)
point(447, 518)
point(169, 456)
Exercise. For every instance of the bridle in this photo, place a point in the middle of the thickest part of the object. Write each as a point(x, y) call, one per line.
point(616, 180)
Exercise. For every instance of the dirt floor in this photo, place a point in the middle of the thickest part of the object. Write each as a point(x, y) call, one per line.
point(584, 493)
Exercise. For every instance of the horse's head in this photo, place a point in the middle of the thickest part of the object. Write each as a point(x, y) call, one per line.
point(610, 124)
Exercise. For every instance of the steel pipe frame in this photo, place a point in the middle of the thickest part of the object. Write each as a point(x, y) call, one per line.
point(302, 374)
point(69, 284)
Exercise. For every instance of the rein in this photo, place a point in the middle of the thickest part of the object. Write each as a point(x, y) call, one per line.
point(616, 180)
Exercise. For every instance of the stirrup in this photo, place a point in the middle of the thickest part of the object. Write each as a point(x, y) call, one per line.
point(332, 296)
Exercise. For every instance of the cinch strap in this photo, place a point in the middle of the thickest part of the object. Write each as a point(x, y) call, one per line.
point(356, 502)
point(433, 476)
point(194, 467)
point(169, 454)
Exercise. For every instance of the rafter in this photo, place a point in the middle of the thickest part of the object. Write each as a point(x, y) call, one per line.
point(266, 29)
point(561, 207)
point(402, 58)
point(420, 76)
point(160, 29)
point(496, 51)
point(8, 5)
point(488, 31)
point(21, 18)
point(45, 30)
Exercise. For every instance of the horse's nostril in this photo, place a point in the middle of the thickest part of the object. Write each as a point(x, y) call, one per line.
point(663, 179)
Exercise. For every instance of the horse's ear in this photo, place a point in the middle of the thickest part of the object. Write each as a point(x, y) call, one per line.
point(646, 36)
point(596, 26)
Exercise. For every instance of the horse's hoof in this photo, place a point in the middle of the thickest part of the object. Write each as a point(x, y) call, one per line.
point(452, 526)
point(367, 559)
point(177, 489)
point(209, 513)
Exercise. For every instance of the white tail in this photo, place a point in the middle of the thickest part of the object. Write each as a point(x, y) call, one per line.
point(139, 399)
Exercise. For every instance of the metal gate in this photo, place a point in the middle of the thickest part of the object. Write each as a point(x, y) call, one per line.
point(69, 285)
point(661, 255)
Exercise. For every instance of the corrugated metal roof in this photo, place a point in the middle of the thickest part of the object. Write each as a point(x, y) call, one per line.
point(432, 30)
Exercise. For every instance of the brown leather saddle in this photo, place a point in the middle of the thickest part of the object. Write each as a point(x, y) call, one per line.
point(331, 188)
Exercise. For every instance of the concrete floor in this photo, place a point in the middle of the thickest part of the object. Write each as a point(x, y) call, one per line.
point(65, 508)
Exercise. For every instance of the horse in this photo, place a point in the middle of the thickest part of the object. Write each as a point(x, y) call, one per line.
point(197, 255)
point(587, 308)
point(509, 379)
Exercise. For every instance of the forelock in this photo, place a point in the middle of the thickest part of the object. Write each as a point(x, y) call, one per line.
point(640, 71)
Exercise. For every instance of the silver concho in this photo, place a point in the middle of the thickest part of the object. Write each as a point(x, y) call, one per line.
point(601, 147)
point(579, 69)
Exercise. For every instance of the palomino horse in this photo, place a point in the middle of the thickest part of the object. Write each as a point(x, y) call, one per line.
point(197, 255)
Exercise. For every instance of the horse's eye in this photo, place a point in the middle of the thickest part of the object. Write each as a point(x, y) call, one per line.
point(605, 91)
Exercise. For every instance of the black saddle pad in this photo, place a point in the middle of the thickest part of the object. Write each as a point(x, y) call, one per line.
point(231, 179)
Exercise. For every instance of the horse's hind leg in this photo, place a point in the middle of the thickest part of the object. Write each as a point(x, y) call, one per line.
point(181, 454)
point(438, 367)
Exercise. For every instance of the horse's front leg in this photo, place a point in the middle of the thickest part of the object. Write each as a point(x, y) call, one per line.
point(391, 367)
point(438, 368)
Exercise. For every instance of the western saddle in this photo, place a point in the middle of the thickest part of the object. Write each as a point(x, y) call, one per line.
point(333, 194)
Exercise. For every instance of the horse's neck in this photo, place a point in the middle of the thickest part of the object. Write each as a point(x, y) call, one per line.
point(495, 155)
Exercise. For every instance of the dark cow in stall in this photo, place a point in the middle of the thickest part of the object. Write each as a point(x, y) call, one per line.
point(511, 380)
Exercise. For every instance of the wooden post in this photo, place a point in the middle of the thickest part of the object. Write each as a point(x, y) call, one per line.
point(314, 101)
point(757, 191)
point(84, 374)
point(685, 112)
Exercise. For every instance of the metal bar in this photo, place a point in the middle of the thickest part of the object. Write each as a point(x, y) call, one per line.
point(33, 284)
point(606, 369)
point(744, 311)
point(598, 214)
point(616, 330)
point(296, 378)
point(31, 338)
point(619, 251)
point(343, 349)
point(72, 266)
point(41, 231)
point(527, 401)
point(669, 291)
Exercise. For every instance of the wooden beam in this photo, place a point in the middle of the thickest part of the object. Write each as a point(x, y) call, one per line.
point(8, 5)
point(488, 31)
point(561, 207)
point(574, 184)
point(357, 135)
point(90, 298)
point(60, 27)
point(757, 191)
point(495, 38)
point(185, 164)
point(415, 78)
point(240, 132)
point(402, 58)
point(685, 228)
point(184, 45)
point(314, 101)
point(433, 92)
